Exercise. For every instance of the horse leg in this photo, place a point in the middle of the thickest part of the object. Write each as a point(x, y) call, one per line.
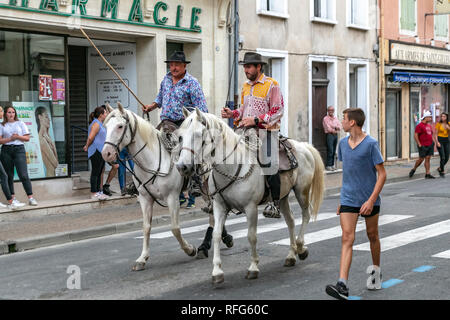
point(303, 199)
point(252, 221)
point(174, 209)
point(290, 222)
point(219, 221)
point(147, 212)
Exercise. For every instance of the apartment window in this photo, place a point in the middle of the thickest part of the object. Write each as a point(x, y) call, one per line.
point(441, 27)
point(276, 8)
point(323, 10)
point(408, 17)
point(358, 13)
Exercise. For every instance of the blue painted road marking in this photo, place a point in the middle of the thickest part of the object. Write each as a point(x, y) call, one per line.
point(423, 269)
point(391, 283)
point(354, 298)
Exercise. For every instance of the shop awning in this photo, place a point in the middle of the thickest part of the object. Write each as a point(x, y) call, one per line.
point(413, 77)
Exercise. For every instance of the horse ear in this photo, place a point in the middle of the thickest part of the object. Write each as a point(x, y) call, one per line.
point(186, 112)
point(109, 108)
point(121, 109)
point(201, 116)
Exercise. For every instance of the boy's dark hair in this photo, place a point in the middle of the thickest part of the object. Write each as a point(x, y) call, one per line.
point(356, 114)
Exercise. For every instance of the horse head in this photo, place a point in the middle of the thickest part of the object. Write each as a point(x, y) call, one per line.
point(119, 132)
point(196, 139)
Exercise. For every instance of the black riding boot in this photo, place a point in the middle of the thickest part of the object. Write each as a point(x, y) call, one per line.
point(206, 244)
point(272, 210)
point(227, 238)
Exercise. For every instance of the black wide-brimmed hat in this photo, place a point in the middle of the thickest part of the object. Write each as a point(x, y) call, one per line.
point(252, 58)
point(177, 56)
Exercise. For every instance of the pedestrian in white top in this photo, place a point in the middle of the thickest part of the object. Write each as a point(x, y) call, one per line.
point(13, 135)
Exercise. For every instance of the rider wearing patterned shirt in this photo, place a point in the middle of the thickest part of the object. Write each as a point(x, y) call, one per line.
point(262, 106)
point(178, 89)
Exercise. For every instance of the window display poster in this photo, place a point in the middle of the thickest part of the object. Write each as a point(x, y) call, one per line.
point(59, 90)
point(26, 113)
point(45, 87)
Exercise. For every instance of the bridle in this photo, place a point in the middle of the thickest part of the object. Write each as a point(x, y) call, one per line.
point(156, 173)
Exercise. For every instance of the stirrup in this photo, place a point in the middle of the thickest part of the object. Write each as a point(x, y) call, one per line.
point(271, 211)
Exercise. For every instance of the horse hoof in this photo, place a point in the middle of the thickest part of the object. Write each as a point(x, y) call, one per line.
point(228, 240)
point(252, 275)
point(289, 262)
point(303, 255)
point(139, 266)
point(218, 279)
point(202, 254)
point(193, 253)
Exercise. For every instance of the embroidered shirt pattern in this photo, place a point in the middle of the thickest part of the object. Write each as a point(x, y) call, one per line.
point(262, 99)
point(186, 93)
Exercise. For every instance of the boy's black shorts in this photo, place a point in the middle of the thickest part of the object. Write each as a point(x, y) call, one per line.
point(375, 210)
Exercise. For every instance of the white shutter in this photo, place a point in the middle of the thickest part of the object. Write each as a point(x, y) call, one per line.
point(361, 88)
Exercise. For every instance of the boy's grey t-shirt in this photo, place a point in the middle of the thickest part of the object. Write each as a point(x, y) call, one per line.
point(359, 172)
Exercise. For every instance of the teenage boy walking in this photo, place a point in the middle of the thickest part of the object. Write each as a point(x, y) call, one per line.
point(362, 162)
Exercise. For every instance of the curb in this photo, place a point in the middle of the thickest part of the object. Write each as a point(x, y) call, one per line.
point(12, 246)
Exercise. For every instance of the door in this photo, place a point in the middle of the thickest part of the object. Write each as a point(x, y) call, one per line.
point(319, 111)
point(414, 120)
point(78, 107)
point(393, 145)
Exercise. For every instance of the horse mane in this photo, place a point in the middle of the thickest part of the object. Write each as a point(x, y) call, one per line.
point(217, 123)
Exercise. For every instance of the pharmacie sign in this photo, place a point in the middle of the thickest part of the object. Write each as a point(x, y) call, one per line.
point(109, 10)
point(419, 55)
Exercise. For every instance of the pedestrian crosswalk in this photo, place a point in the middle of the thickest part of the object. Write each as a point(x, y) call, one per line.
point(266, 226)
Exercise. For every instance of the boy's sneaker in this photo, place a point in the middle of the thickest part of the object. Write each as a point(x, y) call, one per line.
point(339, 291)
point(190, 206)
point(32, 202)
point(374, 280)
point(429, 176)
point(411, 173)
point(17, 203)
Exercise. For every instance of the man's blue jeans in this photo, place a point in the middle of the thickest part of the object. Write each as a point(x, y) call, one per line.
point(331, 148)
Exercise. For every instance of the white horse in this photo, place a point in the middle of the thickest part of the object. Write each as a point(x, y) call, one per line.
point(239, 184)
point(153, 176)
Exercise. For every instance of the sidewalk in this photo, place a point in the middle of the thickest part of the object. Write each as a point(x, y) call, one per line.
point(66, 220)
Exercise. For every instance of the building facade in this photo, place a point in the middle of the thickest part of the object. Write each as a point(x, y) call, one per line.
point(322, 54)
point(416, 71)
point(47, 64)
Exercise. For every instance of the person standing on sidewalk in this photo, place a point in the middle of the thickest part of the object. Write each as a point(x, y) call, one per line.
point(4, 180)
point(331, 126)
point(363, 179)
point(442, 130)
point(94, 145)
point(425, 141)
point(13, 135)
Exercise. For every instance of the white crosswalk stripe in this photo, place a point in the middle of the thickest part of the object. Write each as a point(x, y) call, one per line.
point(444, 255)
point(411, 236)
point(279, 225)
point(335, 232)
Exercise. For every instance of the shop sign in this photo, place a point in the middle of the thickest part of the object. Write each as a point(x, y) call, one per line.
point(418, 55)
point(109, 10)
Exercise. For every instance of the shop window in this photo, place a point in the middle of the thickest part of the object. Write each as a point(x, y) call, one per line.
point(441, 27)
point(408, 17)
point(32, 80)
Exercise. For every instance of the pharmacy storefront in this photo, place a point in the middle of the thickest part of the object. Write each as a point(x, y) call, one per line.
point(54, 78)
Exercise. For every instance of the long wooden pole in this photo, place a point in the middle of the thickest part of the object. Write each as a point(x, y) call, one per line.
point(382, 91)
point(110, 66)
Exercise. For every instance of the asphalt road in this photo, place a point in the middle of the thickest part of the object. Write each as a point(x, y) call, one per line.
point(415, 259)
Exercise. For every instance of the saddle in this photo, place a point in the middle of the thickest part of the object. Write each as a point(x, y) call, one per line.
point(169, 140)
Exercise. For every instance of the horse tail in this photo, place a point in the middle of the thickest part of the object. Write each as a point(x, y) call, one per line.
point(318, 185)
